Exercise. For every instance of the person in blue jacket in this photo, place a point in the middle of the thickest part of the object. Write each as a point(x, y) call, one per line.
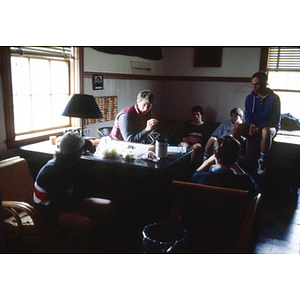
point(261, 117)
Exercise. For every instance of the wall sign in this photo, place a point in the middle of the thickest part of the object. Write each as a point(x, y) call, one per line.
point(97, 82)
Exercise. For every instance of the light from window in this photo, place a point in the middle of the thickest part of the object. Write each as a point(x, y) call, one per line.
point(287, 87)
point(40, 93)
point(284, 77)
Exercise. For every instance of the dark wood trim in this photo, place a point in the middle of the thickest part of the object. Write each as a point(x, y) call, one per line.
point(81, 69)
point(263, 66)
point(286, 90)
point(22, 142)
point(166, 78)
point(7, 93)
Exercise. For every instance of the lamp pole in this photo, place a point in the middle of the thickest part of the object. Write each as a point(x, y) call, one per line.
point(81, 123)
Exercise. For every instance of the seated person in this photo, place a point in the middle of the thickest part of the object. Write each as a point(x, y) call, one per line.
point(261, 116)
point(59, 197)
point(134, 123)
point(222, 170)
point(196, 132)
point(236, 116)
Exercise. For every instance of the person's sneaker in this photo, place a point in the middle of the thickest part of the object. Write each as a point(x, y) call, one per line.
point(261, 167)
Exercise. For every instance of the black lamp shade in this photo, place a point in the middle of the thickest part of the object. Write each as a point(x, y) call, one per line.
point(82, 106)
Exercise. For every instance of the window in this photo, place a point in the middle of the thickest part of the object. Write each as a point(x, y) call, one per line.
point(42, 79)
point(284, 77)
point(40, 93)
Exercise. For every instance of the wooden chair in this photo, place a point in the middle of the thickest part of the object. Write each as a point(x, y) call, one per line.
point(22, 226)
point(23, 230)
point(218, 220)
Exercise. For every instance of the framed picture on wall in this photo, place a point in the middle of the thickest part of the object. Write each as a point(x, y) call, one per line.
point(208, 57)
point(98, 82)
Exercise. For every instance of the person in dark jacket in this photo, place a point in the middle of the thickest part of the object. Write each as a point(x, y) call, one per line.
point(134, 123)
point(261, 117)
point(196, 132)
point(222, 170)
point(59, 196)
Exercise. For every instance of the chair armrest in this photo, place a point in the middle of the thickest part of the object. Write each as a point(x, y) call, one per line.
point(247, 231)
point(17, 207)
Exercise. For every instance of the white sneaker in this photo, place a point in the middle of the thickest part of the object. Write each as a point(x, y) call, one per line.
point(261, 167)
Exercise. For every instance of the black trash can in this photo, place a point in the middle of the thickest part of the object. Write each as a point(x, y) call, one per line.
point(164, 238)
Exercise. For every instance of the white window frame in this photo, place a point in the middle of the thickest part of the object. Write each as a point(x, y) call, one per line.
point(284, 60)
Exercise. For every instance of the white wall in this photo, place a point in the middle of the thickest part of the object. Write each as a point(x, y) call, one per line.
point(236, 62)
point(216, 98)
point(177, 61)
point(176, 98)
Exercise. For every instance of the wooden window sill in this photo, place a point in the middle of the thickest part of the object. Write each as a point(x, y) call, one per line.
point(31, 138)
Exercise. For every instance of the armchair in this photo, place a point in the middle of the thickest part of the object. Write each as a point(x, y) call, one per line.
point(23, 230)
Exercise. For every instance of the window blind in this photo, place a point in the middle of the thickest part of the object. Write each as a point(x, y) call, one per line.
point(284, 59)
point(58, 51)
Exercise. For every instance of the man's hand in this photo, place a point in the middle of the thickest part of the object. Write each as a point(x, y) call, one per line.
point(253, 129)
point(151, 123)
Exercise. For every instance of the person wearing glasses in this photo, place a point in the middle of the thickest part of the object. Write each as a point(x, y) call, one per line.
point(135, 122)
